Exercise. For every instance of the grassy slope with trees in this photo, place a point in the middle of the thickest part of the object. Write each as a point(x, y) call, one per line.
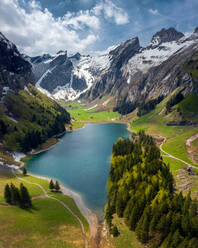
point(37, 119)
point(39, 226)
point(155, 123)
point(141, 190)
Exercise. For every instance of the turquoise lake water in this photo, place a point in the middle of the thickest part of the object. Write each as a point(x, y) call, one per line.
point(81, 161)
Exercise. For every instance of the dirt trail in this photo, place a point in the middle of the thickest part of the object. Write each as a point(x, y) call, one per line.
point(171, 156)
point(191, 139)
point(106, 102)
point(61, 202)
point(192, 154)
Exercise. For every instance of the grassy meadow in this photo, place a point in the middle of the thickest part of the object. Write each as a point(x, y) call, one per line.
point(84, 114)
point(127, 238)
point(154, 123)
point(46, 224)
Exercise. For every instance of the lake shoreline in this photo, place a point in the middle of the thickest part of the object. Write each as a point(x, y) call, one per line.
point(103, 122)
point(89, 215)
point(85, 123)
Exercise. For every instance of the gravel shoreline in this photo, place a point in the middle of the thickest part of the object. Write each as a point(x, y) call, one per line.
point(86, 212)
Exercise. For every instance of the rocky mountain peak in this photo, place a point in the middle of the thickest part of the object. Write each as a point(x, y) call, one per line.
point(39, 59)
point(132, 43)
point(122, 53)
point(196, 30)
point(76, 56)
point(59, 59)
point(15, 71)
point(166, 35)
point(61, 52)
point(10, 58)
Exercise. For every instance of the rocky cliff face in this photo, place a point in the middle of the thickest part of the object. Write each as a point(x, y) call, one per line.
point(139, 75)
point(64, 77)
point(132, 74)
point(112, 80)
point(15, 71)
point(165, 35)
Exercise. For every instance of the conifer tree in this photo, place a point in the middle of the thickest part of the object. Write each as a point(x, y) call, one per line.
point(57, 186)
point(176, 239)
point(142, 229)
point(24, 171)
point(120, 205)
point(186, 225)
point(115, 231)
point(155, 220)
point(108, 215)
point(51, 185)
point(186, 204)
point(15, 195)
point(25, 197)
point(7, 194)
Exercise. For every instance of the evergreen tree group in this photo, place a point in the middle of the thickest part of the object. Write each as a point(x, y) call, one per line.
point(39, 118)
point(175, 99)
point(24, 171)
point(54, 186)
point(17, 196)
point(140, 189)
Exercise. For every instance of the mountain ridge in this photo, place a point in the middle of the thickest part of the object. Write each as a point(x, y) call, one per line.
point(151, 73)
point(27, 117)
point(125, 72)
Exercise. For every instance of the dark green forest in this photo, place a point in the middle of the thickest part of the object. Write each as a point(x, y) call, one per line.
point(141, 190)
point(38, 118)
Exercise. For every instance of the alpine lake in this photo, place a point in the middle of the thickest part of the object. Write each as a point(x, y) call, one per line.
point(81, 161)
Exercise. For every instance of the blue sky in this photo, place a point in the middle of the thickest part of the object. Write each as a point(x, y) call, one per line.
point(47, 26)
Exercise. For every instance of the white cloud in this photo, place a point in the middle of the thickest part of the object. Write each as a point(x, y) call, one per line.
point(111, 11)
point(81, 19)
point(36, 31)
point(154, 11)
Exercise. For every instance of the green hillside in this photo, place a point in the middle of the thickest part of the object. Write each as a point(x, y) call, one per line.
point(189, 108)
point(29, 118)
point(191, 66)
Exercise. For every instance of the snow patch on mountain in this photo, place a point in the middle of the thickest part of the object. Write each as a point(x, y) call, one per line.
point(77, 73)
point(85, 67)
point(149, 57)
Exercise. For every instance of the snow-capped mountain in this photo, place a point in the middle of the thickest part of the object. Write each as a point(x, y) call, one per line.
point(130, 73)
point(63, 77)
point(159, 50)
point(138, 74)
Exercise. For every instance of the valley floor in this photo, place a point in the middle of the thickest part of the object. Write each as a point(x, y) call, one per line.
point(44, 227)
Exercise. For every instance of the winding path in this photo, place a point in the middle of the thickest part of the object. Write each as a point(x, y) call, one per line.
point(171, 156)
point(61, 202)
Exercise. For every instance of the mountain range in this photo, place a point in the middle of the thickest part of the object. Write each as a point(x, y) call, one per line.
point(27, 116)
point(132, 74)
point(135, 76)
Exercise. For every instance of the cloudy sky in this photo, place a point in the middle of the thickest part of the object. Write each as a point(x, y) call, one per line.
point(47, 26)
